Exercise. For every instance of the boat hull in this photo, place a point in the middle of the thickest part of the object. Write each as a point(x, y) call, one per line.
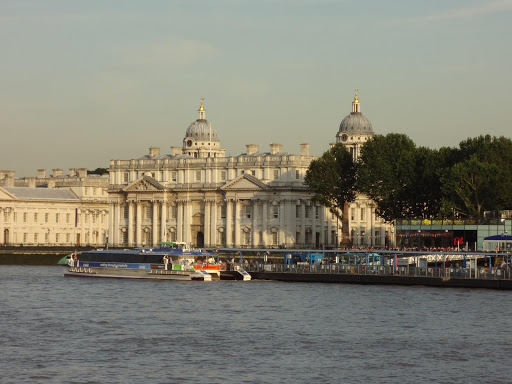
point(151, 274)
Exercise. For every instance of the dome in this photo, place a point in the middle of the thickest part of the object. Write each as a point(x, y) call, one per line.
point(356, 124)
point(201, 129)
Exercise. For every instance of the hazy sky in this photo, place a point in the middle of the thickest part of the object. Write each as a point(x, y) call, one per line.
point(83, 82)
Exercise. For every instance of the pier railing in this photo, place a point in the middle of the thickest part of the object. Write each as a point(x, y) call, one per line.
point(493, 273)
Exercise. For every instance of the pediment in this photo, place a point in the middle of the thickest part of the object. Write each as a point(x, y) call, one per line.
point(4, 195)
point(144, 184)
point(244, 182)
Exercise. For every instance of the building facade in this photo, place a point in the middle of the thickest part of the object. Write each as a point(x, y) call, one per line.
point(256, 199)
point(54, 210)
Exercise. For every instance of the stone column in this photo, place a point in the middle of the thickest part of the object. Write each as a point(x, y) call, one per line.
point(179, 221)
point(358, 224)
point(237, 222)
point(187, 221)
point(82, 225)
point(282, 229)
point(321, 219)
point(207, 232)
point(254, 240)
point(130, 224)
point(313, 224)
point(370, 224)
point(303, 223)
point(213, 224)
point(329, 239)
point(92, 239)
point(111, 239)
point(229, 224)
point(138, 225)
point(2, 226)
point(163, 223)
point(264, 223)
point(154, 227)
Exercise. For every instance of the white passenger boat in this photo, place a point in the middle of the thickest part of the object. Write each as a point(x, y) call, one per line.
point(168, 261)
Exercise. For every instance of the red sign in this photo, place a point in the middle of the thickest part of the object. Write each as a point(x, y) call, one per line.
point(458, 240)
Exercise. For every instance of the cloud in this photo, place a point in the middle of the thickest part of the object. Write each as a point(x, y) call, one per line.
point(485, 8)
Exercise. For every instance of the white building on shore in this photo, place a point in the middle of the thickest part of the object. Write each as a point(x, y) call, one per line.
point(53, 210)
point(256, 199)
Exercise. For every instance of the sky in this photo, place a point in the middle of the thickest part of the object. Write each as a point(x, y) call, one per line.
point(84, 82)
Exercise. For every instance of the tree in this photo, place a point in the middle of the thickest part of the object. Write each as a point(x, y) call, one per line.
point(98, 171)
point(478, 178)
point(386, 174)
point(332, 178)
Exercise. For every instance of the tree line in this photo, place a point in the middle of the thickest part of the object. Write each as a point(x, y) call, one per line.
point(407, 181)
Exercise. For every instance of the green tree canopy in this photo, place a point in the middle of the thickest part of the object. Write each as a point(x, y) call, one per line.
point(332, 178)
point(386, 174)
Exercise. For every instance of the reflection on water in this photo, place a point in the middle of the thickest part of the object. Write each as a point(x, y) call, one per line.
point(56, 329)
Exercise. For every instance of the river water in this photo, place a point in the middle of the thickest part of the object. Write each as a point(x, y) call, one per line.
point(74, 330)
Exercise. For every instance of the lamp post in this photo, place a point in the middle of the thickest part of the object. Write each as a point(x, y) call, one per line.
point(392, 238)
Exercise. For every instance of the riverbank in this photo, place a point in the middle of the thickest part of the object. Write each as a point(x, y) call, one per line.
point(30, 259)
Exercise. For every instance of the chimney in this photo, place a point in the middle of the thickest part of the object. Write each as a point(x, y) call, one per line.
point(252, 149)
point(9, 178)
point(154, 151)
point(57, 172)
point(31, 182)
point(72, 172)
point(176, 151)
point(82, 172)
point(275, 148)
point(41, 173)
point(304, 149)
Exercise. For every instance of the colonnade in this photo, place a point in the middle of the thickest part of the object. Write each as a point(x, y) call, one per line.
point(225, 221)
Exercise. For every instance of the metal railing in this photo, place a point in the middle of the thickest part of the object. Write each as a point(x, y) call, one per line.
point(493, 273)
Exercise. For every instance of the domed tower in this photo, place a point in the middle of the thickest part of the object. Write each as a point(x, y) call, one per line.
point(201, 138)
point(355, 129)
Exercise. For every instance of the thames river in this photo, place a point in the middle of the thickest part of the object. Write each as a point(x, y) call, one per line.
point(72, 330)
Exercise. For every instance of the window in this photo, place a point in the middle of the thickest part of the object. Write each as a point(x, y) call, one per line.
point(68, 218)
point(174, 176)
point(174, 211)
point(223, 212)
point(223, 175)
point(67, 237)
point(125, 237)
point(57, 217)
point(15, 217)
point(126, 211)
point(198, 175)
point(352, 214)
point(25, 237)
point(25, 215)
point(276, 174)
point(247, 211)
point(306, 213)
point(317, 210)
point(85, 191)
point(253, 172)
point(46, 237)
point(362, 213)
point(173, 236)
point(275, 211)
point(297, 211)
point(35, 237)
point(126, 176)
point(297, 174)
point(274, 238)
point(35, 217)
point(57, 237)
point(148, 212)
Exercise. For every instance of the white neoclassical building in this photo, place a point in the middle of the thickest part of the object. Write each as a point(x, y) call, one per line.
point(53, 210)
point(257, 199)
